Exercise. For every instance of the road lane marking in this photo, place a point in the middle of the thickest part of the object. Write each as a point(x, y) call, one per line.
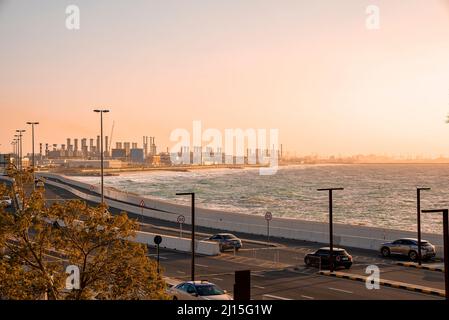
point(218, 279)
point(258, 275)
point(155, 256)
point(276, 297)
point(340, 290)
point(201, 265)
point(307, 297)
point(258, 287)
point(182, 272)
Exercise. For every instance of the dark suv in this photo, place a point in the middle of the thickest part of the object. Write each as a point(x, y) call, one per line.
point(226, 241)
point(320, 258)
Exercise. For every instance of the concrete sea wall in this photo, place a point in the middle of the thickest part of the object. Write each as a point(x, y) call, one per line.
point(344, 235)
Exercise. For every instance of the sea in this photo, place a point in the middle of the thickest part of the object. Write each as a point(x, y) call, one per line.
point(376, 195)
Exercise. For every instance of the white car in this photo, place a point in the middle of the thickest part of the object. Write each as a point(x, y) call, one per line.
point(6, 201)
point(198, 290)
point(39, 184)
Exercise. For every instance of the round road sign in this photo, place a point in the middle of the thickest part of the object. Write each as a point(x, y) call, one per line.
point(157, 240)
point(268, 216)
point(181, 219)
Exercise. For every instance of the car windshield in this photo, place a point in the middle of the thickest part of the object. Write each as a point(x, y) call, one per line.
point(208, 290)
point(229, 236)
point(5, 198)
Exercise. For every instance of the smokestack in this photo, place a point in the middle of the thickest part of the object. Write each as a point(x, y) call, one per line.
point(106, 145)
point(98, 144)
point(76, 145)
point(40, 149)
point(134, 145)
point(46, 149)
point(68, 144)
point(118, 145)
point(91, 144)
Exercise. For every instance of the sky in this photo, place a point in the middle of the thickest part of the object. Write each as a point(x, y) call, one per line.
point(310, 69)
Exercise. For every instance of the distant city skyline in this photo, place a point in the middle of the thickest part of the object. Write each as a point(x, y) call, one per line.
point(310, 69)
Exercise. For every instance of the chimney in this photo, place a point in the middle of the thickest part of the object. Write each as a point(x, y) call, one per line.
point(106, 146)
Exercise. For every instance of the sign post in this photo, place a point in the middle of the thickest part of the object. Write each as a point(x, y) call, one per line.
point(142, 205)
point(157, 241)
point(268, 217)
point(181, 220)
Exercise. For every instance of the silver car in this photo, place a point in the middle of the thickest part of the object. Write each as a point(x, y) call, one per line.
point(198, 290)
point(6, 201)
point(408, 247)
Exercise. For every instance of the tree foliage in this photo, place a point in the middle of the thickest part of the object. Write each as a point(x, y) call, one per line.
point(38, 242)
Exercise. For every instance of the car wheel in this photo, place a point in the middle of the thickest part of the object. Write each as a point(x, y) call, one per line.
point(347, 267)
point(413, 255)
point(307, 261)
point(221, 248)
point(237, 249)
point(385, 252)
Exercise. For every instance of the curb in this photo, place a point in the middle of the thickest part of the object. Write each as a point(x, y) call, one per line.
point(417, 266)
point(387, 283)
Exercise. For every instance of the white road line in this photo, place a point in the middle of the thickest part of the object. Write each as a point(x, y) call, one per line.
point(257, 275)
point(340, 290)
point(201, 265)
point(155, 256)
point(258, 287)
point(180, 272)
point(307, 297)
point(276, 297)
point(218, 279)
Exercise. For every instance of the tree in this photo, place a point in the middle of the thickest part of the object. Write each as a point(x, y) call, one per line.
point(39, 242)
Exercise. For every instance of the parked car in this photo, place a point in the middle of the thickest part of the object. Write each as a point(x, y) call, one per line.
point(6, 201)
point(341, 258)
point(198, 290)
point(226, 241)
point(408, 247)
point(39, 183)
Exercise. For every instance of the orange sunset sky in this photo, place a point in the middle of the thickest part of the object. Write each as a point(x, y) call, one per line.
point(308, 68)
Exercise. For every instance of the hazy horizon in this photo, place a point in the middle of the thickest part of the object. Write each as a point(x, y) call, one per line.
point(310, 69)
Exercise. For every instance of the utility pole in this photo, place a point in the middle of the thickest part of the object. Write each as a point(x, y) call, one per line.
point(101, 151)
point(331, 227)
point(192, 194)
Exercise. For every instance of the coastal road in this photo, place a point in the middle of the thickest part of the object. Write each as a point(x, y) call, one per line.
point(273, 266)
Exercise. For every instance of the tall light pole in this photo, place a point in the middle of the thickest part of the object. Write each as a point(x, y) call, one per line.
point(446, 247)
point(101, 111)
point(193, 231)
point(20, 132)
point(418, 211)
point(32, 148)
point(32, 140)
point(331, 228)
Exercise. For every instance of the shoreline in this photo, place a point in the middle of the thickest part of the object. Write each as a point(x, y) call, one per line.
point(188, 168)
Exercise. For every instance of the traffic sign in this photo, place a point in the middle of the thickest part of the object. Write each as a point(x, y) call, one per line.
point(268, 216)
point(92, 187)
point(142, 203)
point(157, 240)
point(181, 219)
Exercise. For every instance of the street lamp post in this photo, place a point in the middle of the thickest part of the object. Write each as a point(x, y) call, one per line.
point(446, 247)
point(331, 228)
point(20, 132)
point(101, 151)
point(32, 149)
point(418, 211)
point(193, 231)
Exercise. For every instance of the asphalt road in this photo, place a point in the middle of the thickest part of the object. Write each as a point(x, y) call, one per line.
point(273, 267)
